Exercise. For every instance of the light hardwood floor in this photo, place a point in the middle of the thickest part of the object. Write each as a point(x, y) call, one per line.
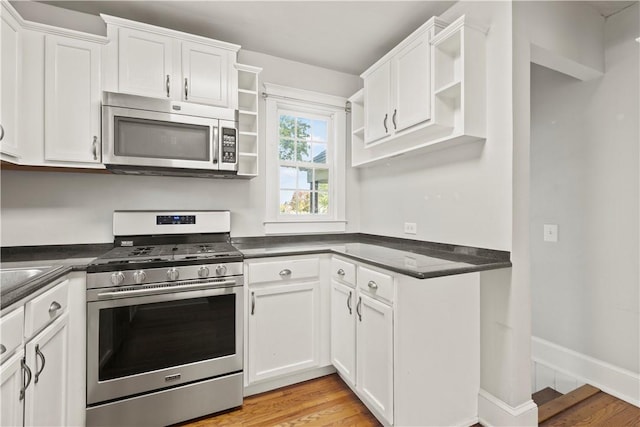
point(325, 401)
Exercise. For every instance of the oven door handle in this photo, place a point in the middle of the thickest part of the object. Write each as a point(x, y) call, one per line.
point(165, 289)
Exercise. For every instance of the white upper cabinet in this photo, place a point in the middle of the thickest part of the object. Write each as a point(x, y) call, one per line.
point(145, 63)
point(412, 70)
point(397, 89)
point(161, 63)
point(72, 100)
point(427, 93)
point(205, 73)
point(9, 82)
point(377, 95)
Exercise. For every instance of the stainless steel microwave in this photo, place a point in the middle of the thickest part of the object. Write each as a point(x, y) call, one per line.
point(150, 136)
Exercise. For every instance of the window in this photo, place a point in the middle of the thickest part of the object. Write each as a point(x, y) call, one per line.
point(305, 161)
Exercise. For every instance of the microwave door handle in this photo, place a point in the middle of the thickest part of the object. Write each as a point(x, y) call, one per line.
point(215, 145)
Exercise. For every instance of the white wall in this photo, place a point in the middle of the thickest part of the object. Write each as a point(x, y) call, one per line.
point(459, 195)
point(585, 178)
point(40, 208)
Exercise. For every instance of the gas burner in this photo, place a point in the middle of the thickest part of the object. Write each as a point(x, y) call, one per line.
point(141, 250)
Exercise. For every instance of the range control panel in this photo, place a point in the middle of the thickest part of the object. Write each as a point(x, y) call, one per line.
point(229, 145)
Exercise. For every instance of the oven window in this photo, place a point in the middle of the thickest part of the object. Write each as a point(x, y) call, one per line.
point(161, 140)
point(141, 338)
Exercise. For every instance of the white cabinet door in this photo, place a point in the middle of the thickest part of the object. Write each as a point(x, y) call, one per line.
point(72, 100)
point(412, 84)
point(343, 330)
point(11, 407)
point(377, 99)
point(205, 74)
point(9, 73)
point(283, 329)
point(46, 397)
point(145, 63)
point(374, 364)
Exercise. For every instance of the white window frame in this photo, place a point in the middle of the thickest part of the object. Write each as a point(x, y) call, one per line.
point(292, 101)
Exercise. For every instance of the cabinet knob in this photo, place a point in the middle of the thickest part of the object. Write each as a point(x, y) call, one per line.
point(340, 272)
point(372, 285)
point(55, 306)
point(285, 273)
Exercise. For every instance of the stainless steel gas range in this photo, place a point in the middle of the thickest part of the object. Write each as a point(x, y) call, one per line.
point(164, 320)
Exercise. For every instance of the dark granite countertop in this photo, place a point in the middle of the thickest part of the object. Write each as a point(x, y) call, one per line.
point(414, 258)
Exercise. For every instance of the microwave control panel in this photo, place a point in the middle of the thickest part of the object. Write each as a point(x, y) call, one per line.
point(229, 145)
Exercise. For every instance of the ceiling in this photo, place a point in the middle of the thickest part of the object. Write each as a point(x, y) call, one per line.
point(347, 36)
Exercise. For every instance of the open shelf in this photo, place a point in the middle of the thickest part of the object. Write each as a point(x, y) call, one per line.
point(248, 107)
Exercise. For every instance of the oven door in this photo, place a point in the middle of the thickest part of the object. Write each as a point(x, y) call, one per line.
point(150, 342)
point(133, 137)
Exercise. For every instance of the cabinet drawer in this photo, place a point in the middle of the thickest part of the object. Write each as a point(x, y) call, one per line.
point(375, 283)
point(11, 328)
point(44, 308)
point(283, 270)
point(343, 271)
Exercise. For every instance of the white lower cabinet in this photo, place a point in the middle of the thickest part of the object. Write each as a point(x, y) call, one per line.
point(374, 354)
point(42, 379)
point(283, 329)
point(11, 407)
point(287, 325)
point(409, 348)
point(46, 354)
point(343, 330)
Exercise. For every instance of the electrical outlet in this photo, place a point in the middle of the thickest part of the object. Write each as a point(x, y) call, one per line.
point(410, 228)
point(550, 232)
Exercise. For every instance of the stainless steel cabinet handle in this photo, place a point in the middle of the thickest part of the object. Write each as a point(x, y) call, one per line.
point(384, 123)
point(349, 303)
point(286, 272)
point(3, 349)
point(1, 132)
point(168, 86)
point(27, 371)
point(372, 285)
point(95, 147)
point(186, 89)
point(393, 119)
point(341, 272)
point(253, 303)
point(44, 361)
point(55, 306)
point(359, 308)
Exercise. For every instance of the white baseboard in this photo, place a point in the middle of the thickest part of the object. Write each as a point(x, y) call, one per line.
point(494, 412)
point(611, 379)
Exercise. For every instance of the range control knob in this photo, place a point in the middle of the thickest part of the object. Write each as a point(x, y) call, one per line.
point(139, 276)
point(173, 274)
point(221, 270)
point(203, 271)
point(117, 278)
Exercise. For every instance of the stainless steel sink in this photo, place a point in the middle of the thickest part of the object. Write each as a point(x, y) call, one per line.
point(12, 278)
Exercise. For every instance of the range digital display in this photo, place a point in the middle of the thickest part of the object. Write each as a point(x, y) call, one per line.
point(175, 219)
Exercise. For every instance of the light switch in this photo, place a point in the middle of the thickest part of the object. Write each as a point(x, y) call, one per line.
point(551, 232)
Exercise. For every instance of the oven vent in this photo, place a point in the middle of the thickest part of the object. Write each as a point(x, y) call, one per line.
point(208, 283)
